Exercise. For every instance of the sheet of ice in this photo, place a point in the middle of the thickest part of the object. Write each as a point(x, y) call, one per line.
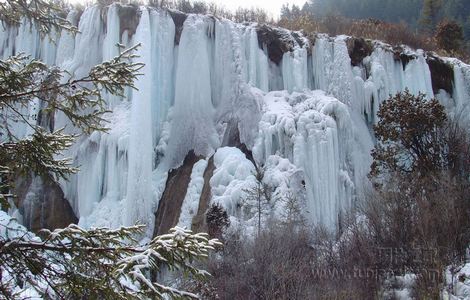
point(234, 186)
point(139, 198)
point(193, 114)
point(66, 42)
point(162, 70)
point(236, 102)
point(364, 87)
point(256, 72)
point(193, 194)
point(461, 91)
point(7, 38)
point(124, 156)
point(233, 176)
point(88, 43)
point(103, 161)
point(332, 68)
point(295, 69)
point(110, 45)
point(87, 53)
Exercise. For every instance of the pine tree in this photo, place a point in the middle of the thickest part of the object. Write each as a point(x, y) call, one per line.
point(258, 195)
point(285, 12)
point(217, 220)
point(430, 14)
point(72, 263)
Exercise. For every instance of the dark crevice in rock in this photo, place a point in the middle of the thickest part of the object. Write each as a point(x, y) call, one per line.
point(358, 49)
point(169, 207)
point(442, 75)
point(178, 18)
point(232, 139)
point(248, 153)
point(199, 220)
point(298, 38)
point(398, 55)
point(312, 38)
point(211, 29)
point(129, 17)
point(276, 42)
point(42, 204)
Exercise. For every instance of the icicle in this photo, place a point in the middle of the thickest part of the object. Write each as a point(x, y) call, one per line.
point(110, 45)
point(193, 115)
point(138, 206)
point(162, 36)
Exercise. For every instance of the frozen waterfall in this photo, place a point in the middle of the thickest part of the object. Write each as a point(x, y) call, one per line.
point(304, 113)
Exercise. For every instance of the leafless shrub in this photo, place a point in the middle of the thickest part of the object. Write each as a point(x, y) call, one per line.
point(274, 265)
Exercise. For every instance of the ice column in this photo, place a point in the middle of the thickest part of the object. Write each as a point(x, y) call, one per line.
point(162, 37)
point(139, 192)
point(294, 70)
point(110, 45)
point(193, 126)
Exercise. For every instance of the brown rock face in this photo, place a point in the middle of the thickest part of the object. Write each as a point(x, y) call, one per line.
point(442, 75)
point(275, 41)
point(178, 19)
point(232, 139)
point(399, 55)
point(358, 49)
point(169, 207)
point(129, 17)
point(199, 220)
point(42, 204)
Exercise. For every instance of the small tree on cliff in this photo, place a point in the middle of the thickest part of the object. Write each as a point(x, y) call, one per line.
point(217, 220)
point(72, 263)
point(415, 136)
point(258, 195)
point(409, 135)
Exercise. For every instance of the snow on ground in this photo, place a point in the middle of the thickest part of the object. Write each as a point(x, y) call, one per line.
point(458, 283)
point(402, 287)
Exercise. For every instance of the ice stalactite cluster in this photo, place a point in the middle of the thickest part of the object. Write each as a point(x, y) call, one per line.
point(461, 92)
point(300, 106)
point(315, 132)
point(364, 87)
